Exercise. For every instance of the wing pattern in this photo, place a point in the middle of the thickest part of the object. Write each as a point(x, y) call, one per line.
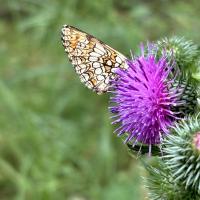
point(94, 61)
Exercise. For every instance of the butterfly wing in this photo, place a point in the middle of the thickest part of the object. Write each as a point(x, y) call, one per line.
point(94, 61)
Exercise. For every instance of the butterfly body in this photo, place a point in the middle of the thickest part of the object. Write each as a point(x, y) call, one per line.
point(94, 61)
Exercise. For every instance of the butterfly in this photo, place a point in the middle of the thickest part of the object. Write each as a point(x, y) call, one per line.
point(94, 61)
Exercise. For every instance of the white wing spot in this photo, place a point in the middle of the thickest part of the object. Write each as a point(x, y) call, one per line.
point(100, 48)
point(66, 43)
point(100, 77)
point(82, 66)
point(98, 51)
point(77, 52)
point(98, 71)
point(77, 68)
point(74, 62)
point(83, 70)
point(109, 63)
point(116, 64)
point(84, 77)
point(107, 80)
point(113, 70)
point(92, 59)
point(95, 54)
point(118, 59)
point(66, 37)
point(70, 49)
point(96, 65)
point(102, 87)
point(78, 61)
point(66, 31)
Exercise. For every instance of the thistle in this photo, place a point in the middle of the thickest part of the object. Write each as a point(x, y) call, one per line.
point(161, 185)
point(184, 52)
point(189, 96)
point(182, 153)
point(143, 98)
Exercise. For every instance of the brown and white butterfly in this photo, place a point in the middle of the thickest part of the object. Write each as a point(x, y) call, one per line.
point(94, 61)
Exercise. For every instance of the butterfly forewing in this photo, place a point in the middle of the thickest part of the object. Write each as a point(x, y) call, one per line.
point(94, 61)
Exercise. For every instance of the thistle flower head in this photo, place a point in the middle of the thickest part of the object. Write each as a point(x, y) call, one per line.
point(143, 98)
point(182, 153)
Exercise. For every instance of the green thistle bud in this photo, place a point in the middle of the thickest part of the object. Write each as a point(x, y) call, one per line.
point(161, 185)
point(188, 89)
point(182, 51)
point(182, 154)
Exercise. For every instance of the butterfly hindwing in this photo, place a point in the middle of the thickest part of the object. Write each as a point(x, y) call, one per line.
point(94, 61)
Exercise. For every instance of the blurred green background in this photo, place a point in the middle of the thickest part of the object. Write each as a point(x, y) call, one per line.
point(56, 141)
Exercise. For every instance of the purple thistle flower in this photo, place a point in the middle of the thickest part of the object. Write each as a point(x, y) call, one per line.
point(142, 99)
